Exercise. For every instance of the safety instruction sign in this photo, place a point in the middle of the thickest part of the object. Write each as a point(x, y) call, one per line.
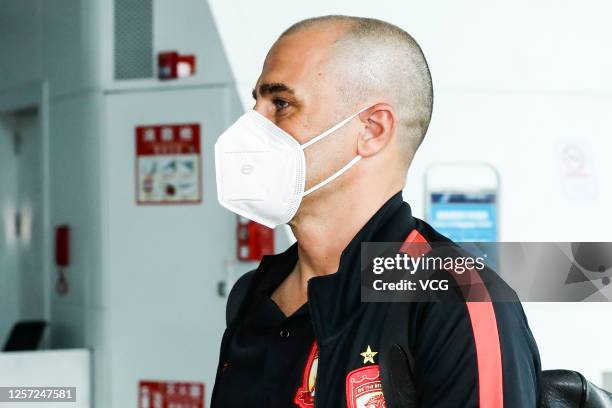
point(168, 394)
point(168, 164)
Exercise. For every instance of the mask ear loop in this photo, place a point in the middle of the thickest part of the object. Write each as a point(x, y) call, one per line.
point(346, 166)
point(331, 130)
point(333, 176)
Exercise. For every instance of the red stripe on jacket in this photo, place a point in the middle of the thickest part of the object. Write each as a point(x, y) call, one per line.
point(484, 328)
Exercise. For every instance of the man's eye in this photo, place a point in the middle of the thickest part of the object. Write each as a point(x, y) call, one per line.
point(280, 104)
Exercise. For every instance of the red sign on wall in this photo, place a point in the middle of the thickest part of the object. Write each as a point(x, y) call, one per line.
point(166, 394)
point(254, 240)
point(168, 164)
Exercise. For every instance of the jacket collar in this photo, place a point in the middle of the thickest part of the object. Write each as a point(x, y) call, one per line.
point(335, 299)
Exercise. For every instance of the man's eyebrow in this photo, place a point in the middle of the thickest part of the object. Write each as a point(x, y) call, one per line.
point(272, 87)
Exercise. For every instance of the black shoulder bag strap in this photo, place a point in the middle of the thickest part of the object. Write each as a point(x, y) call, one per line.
point(396, 359)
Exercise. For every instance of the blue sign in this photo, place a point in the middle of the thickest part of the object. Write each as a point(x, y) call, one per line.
point(464, 217)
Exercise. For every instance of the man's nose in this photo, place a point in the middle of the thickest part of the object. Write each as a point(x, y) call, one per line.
point(262, 108)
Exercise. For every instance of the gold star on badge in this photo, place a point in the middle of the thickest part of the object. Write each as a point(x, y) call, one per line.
point(368, 355)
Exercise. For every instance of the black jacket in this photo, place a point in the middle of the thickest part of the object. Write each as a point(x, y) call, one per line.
point(459, 354)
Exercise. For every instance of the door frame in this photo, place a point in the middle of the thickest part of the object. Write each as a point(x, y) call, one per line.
point(35, 95)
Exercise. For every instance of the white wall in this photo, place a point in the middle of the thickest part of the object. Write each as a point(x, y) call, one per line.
point(115, 278)
point(472, 45)
point(52, 40)
point(514, 83)
point(80, 318)
point(164, 260)
point(145, 312)
point(162, 315)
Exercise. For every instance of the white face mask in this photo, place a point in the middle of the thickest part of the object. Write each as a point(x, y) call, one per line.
point(261, 169)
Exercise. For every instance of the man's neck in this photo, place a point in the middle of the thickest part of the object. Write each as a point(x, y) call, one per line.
point(323, 234)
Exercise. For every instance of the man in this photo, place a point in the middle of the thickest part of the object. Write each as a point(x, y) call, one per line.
point(341, 106)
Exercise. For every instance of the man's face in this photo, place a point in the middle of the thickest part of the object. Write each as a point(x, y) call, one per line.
point(297, 91)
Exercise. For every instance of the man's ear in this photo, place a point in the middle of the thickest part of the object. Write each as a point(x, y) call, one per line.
point(379, 123)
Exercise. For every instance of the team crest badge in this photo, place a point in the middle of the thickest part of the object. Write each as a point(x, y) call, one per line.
point(304, 397)
point(364, 388)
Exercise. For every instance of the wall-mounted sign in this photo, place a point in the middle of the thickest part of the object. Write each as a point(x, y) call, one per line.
point(464, 217)
point(168, 164)
point(462, 201)
point(169, 394)
point(578, 170)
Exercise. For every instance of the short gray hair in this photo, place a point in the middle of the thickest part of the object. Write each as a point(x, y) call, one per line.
point(380, 59)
